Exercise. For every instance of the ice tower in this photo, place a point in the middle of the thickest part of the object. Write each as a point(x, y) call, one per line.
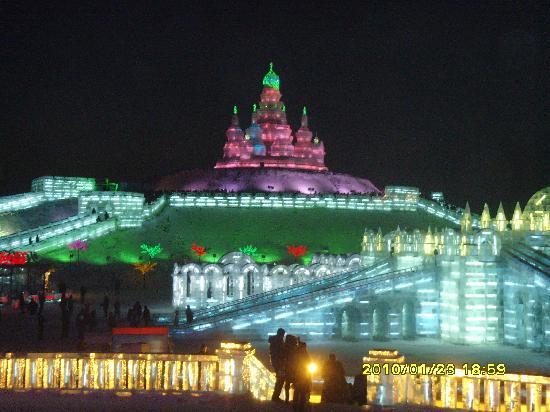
point(268, 141)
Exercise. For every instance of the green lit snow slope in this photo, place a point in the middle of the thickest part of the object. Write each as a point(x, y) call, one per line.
point(224, 230)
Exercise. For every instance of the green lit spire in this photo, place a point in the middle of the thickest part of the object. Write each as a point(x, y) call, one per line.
point(304, 111)
point(284, 108)
point(271, 79)
point(254, 107)
point(235, 111)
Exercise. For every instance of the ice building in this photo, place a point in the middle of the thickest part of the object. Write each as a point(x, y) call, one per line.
point(268, 141)
point(467, 286)
point(268, 157)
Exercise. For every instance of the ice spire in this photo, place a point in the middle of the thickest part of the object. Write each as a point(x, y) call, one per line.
point(500, 219)
point(397, 240)
point(466, 220)
point(517, 220)
point(485, 221)
point(379, 240)
point(304, 118)
point(254, 113)
point(235, 117)
point(367, 245)
point(429, 244)
point(271, 79)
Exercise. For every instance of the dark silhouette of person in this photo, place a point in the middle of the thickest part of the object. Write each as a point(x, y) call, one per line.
point(33, 307)
point(335, 386)
point(64, 318)
point(30, 240)
point(83, 291)
point(22, 302)
point(92, 321)
point(137, 314)
point(117, 309)
point(176, 317)
point(40, 326)
point(70, 305)
point(302, 379)
point(41, 301)
point(105, 305)
point(111, 320)
point(146, 315)
point(291, 348)
point(189, 315)
point(277, 355)
point(81, 327)
point(37, 239)
point(359, 389)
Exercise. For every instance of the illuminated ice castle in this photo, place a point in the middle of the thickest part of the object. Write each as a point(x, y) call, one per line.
point(268, 157)
point(486, 282)
point(268, 141)
point(472, 280)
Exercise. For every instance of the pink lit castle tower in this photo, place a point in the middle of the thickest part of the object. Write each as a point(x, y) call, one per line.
point(268, 141)
point(268, 157)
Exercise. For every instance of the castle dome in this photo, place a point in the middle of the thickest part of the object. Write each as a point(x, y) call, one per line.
point(539, 202)
point(271, 79)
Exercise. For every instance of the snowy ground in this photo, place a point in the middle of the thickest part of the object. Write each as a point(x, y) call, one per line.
point(18, 333)
point(124, 401)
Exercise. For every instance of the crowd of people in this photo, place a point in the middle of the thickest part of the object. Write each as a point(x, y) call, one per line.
point(293, 369)
point(289, 355)
point(84, 317)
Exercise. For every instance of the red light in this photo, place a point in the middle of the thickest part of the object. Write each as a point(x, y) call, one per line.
point(13, 258)
point(161, 330)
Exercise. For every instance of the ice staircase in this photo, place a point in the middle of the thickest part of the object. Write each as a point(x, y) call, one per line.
point(295, 300)
point(529, 256)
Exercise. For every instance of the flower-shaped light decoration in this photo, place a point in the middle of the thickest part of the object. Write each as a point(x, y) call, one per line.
point(297, 251)
point(78, 244)
point(151, 251)
point(198, 250)
point(144, 268)
point(249, 250)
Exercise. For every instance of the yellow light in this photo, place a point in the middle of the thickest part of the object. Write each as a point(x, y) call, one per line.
point(315, 399)
point(312, 367)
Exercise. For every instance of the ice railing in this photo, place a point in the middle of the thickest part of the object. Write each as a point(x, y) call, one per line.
point(282, 200)
point(529, 256)
point(346, 286)
point(461, 391)
point(91, 231)
point(233, 369)
point(21, 201)
point(63, 227)
point(54, 229)
point(152, 209)
point(285, 292)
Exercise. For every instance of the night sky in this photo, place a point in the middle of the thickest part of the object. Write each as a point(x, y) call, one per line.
point(443, 96)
